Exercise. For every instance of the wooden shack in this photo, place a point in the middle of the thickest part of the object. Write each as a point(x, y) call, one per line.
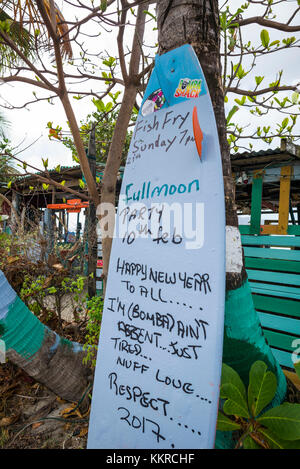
point(268, 191)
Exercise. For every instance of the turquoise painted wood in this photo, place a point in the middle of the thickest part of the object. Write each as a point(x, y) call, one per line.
point(275, 322)
point(284, 358)
point(274, 276)
point(276, 265)
point(270, 289)
point(268, 253)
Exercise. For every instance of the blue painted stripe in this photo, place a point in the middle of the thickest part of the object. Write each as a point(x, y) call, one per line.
point(55, 345)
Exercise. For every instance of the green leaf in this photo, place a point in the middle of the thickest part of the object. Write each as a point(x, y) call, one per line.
point(150, 14)
point(236, 403)
point(231, 113)
point(103, 5)
point(233, 389)
point(225, 424)
point(249, 443)
point(297, 368)
point(75, 158)
point(283, 420)
point(264, 37)
point(274, 43)
point(288, 41)
point(277, 443)
point(262, 387)
point(45, 163)
point(240, 71)
point(273, 441)
point(81, 183)
point(229, 375)
point(99, 104)
point(45, 186)
point(242, 101)
point(258, 80)
point(295, 97)
point(285, 122)
point(9, 184)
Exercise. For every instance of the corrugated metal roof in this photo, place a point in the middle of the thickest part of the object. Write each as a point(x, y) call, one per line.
point(253, 154)
point(234, 156)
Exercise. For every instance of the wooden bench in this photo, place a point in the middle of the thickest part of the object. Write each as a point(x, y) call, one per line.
point(274, 276)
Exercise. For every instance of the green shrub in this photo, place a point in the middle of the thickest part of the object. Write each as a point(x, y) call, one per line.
point(94, 311)
point(249, 413)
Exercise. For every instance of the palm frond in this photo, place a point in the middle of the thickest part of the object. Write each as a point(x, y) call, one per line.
point(23, 23)
point(62, 29)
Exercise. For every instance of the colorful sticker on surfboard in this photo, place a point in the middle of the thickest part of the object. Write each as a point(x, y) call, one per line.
point(158, 368)
point(154, 103)
point(188, 88)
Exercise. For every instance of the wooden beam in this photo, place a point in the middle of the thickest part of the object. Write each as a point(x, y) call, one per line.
point(284, 199)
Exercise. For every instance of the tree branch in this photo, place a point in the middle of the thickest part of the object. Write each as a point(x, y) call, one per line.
point(268, 24)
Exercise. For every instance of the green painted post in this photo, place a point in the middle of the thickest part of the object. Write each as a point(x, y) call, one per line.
point(256, 198)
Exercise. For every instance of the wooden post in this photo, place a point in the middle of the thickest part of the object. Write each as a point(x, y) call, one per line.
point(284, 204)
point(16, 206)
point(92, 221)
point(49, 231)
point(78, 227)
point(256, 198)
point(284, 199)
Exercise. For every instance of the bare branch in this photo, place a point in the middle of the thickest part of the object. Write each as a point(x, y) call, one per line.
point(268, 24)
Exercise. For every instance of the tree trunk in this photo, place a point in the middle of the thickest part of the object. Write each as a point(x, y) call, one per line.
point(197, 22)
point(106, 211)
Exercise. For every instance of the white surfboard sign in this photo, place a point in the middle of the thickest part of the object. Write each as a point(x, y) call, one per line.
point(159, 359)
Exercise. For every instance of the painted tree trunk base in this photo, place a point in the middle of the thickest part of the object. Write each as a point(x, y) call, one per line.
point(244, 343)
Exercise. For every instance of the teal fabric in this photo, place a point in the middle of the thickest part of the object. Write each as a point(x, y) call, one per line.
point(21, 330)
point(244, 342)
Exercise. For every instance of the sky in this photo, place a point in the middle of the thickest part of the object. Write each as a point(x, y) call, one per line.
point(30, 125)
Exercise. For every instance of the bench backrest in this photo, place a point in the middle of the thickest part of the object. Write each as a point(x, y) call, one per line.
point(273, 267)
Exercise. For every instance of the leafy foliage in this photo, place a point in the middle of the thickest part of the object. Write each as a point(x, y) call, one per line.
point(6, 160)
point(241, 57)
point(94, 310)
point(248, 412)
point(19, 35)
point(104, 121)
